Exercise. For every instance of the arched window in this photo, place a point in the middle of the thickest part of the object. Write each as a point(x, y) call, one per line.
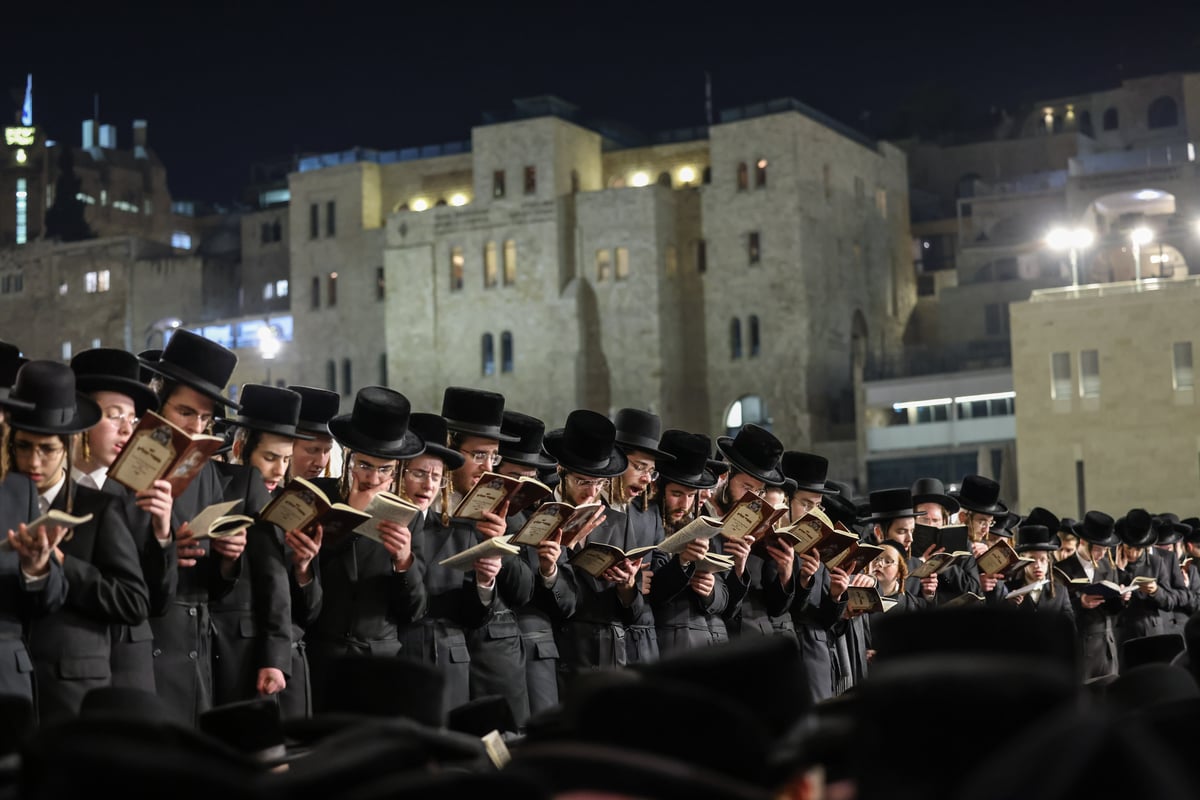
point(743, 177)
point(331, 375)
point(749, 409)
point(1163, 113)
point(735, 338)
point(506, 352)
point(1111, 121)
point(488, 355)
point(754, 342)
point(347, 377)
point(1085, 123)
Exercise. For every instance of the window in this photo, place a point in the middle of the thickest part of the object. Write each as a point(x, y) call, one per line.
point(330, 218)
point(1162, 113)
point(1085, 123)
point(506, 352)
point(66, 351)
point(671, 261)
point(268, 291)
point(743, 177)
point(380, 284)
point(531, 180)
point(281, 287)
point(383, 369)
point(265, 233)
point(881, 202)
point(457, 264)
point(735, 338)
point(314, 221)
point(498, 183)
point(701, 256)
point(1111, 121)
point(488, 355)
point(94, 282)
point(754, 342)
point(1181, 372)
point(102, 280)
point(347, 383)
point(22, 211)
point(510, 262)
point(622, 263)
point(331, 300)
point(760, 174)
point(1060, 376)
point(1089, 373)
point(331, 375)
point(181, 240)
point(89, 282)
point(276, 231)
point(316, 292)
point(995, 317)
point(603, 265)
point(754, 250)
point(491, 266)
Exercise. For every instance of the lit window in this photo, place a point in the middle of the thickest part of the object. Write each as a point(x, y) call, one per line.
point(603, 266)
point(22, 211)
point(66, 351)
point(1182, 365)
point(491, 265)
point(457, 265)
point(281, 288)
point(622, 263)
point(181, 240)
point(510, 262)
point(268, 291)
point(91, 283)
point(760, 174)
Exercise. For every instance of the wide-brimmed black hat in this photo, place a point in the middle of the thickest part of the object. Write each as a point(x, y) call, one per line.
point(1136, 528)
point(145, 357)
point(432, 430)
point(932, 490)
point(1040, 516)
point(640, 430)
point(718, 466)
point(1006, 524)
point(378, 425)
point(755, 451)
point(475, 412)
point(889, 504)
point(1097, 528)
point(44, 400)
point(197, 362)
point(1036, 537)
point(1193, 533)
point(840, 506)
point(588, 445)
point(981, 495)
point(269, 409)
point(11, 360)
point(1169, 529)
point(688, 465)
point(806, 472)
point(251, 727)
point(317, 407)
point(107, 369)
point(527, 449)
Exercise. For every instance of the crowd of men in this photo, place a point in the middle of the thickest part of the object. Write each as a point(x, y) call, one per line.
point(287, 662)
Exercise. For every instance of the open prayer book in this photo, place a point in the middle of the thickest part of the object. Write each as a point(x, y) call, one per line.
point(301, 505)
point(216, 521)
point(493, 489)
point(53, 517)
point(160, 449)
point(554, 516)
point(494, 546)
point(751, 515)
point(702, 527)
point(867, 600)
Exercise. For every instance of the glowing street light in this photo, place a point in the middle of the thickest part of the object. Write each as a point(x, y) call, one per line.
point(269, 346)
point(1140, 237)
point(1072, 240)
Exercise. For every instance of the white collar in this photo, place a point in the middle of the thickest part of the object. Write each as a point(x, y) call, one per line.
point(94, 479)
point(51, 494)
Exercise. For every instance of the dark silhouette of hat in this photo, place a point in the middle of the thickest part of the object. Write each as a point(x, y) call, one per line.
point(128, 702)
point(432, 430)
point(1169, 530)
point(1036, 537)
point(378, 425)
point(890, 504)
point(251, 727)
point(194, 361)
point(1006, 524)
point(1160, 648)
point(527, 449)
point(269, 409)
point(482, 715)
point(587, 445)
point(807, 471)
point(11, 360)
point(640, 430)
point(755, 451)
point(1136, 528)
point(1041, 516)
point(688, 465)
point(475, 412)
point(840, 506)
point(1097, 528)
point(317, 407)
point(369, 686)
point(44, 400)
point(107, 369)
point(145, 357)
point(1149, 684)
point(981, 495)
point(932, 490)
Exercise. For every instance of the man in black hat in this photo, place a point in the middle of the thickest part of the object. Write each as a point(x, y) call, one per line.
point(929, 495)
point(894, 517)
point(311, 457)
point(1136, 558)
point(1168, 544)
point(1094, 614)
point(1037, 542)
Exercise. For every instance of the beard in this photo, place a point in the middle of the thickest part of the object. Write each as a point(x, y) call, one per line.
point(671, 524)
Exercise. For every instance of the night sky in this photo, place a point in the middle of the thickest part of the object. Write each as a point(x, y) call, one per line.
point(225, 85)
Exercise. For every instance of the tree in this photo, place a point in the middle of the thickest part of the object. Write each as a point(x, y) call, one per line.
point(64, 219)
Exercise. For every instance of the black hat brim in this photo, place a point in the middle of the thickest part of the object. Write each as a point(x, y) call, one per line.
point(142, 395)
point(342, 429)
point(725, 445)
point(881, 518)
point(817, 488)
point(189, 378)
point(484, 431)
point(644, 445)
point(22, 417)
point(616, 464)
point(705, 480)
point(263, 426)
point(1025, 548)
point(1112, 540)
point(12, 403)
point(998, 509)
point(538, 460)
point(944, 500)
point(452, 458)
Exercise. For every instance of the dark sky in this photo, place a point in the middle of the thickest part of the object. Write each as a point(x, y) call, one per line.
point(223, 85)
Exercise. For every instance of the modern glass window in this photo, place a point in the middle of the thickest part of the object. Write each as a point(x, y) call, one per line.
point(1060, 375)
point(1181, 365)
point(1089, 373)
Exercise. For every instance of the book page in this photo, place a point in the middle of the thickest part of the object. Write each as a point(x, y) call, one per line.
point(745, 517)
point(574, 525)
point(386, 506)
point(594, 559)
point(465, 561)
point(997, 558)
point(542, 523)
point(701, 527)
point(147, 455)
point(202, 523)
point(296, 506)
point(714, 562)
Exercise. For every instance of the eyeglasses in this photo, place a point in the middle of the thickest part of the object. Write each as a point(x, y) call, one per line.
point(385, 471)
point(483, 457)
point(589, 483)
point(644, 469)
point(422, 475)
point(46, 452)
point(187, 414)
point(119, 419)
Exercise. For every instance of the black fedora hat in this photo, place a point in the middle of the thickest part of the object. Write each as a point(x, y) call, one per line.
point(689, 459)
point(378, 425)
point(981, 495)
point(839, 505)
point(588, 445)
point(1006, 524)
point(1136, 528)
point(932, 490)
point(807, 472)
point(1097, 528)
point(269, 409)
point(1040, 516)
point(640, 430)
point(108, 369)
point(889, 504)
point(527, 449)
point(475, 412)
point(432, 430)
point(44, 400)
point(1158, 648)
point(754, 451)
point(1036, 537)
point(317, 407)
point(718, 466)
point(1169, 529)
point(194, 361)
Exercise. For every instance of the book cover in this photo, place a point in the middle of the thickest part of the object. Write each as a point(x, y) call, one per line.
point(751, 515)
point(157, 449)
point(301, 504)
point(553, 516)
point(867, 600)
point(596, 557)
point(492, 489)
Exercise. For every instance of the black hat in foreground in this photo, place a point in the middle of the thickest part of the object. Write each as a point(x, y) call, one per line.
point(252, 727)
point(755, 451)
point(587, 446)
point(1036, 537)
point(317, 407)
point(378, 426)
point(44, 401)
point(475, 412)
point(527, 449)
point(1136, 528)
point(269, 409)
point(640, 430)
point(432, 430)
point(107, 369)
point(688, 465)
point(194, 361)
point(980, 495)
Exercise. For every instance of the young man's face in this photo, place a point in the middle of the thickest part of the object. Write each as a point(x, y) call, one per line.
point(108, 438)
point(310, 458)
point(188, 409)
point(422, 479)
point(579, 489)
point(901, 530)
point(677, 503)
point(935, 514)
point(40, 458)
point(481, 455)
point(804, 502)
point(272, 455)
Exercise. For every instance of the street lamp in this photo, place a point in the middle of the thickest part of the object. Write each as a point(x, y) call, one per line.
point(268, 346)
point(1072, 240)
point(1140, 237)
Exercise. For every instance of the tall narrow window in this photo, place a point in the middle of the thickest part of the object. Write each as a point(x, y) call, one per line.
point(314, 221)
point(331, 375)
point(531, 180)
point(735, 338)
point(491, 266)
point(383, 369)
point(1060, 375)
point(331, 218)
point(701, 256)
point(90, 282)
point(622, 263)
point(104, 281)
point(488, 355)
point(22, 211)
point(276, 231)
point(331, 298)
point(603, 265)
point(1089, 373)
point(506, 352)
point(754, 342)
point(457, 265)
point(66, 351)
point(498, 183)
point(1181, 372)
point(743, 177)
point(347, 382)
point(754, 250)
point(265, 236)
point(316, 292)
point(510, 262)
point(760, 174)
point(671, 261)
point(380, 284)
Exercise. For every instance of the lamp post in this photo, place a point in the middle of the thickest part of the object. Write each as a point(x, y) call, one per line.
point(1140, 237)
point(268, 346)
point(1072, 240)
